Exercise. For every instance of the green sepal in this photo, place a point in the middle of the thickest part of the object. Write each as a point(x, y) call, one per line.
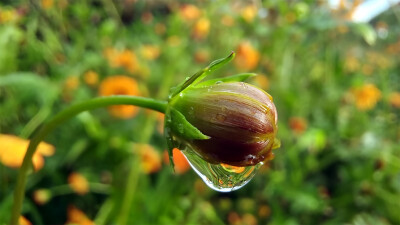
point(183, 128)
point(200, 75)
point(277, 143)
point(171, 144)
point(234, 78)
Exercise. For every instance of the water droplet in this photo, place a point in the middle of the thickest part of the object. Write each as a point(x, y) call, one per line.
point(218, 82)
point(181, 94)
point(220, 177)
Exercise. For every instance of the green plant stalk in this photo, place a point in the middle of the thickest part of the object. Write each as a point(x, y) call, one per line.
point(68, 113)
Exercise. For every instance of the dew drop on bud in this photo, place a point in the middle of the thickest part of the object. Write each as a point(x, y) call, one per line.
point(220, 177)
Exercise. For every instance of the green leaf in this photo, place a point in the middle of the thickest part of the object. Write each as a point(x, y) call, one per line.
point(234, 78)
point(367, 32)
point(183, 128)
point(200, 75)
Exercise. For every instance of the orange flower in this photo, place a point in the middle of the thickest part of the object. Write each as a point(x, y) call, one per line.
point(366, 96)
point(249, 13)
point(150, 52)
point(13, 149)
point(150, 158)
point(247, 57)
point(91, 78)
point(126, 59)
point(201, 28)
point(180, 161)
point(47, 4)
point(78, 183)
point(298, 125)
point(76, 216)
point(24, 221)
point(189, 12)
point(394, 99)
point(41, 196)
point(120, 85)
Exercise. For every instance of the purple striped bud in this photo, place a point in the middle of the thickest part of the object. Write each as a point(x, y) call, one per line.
point(239, 119)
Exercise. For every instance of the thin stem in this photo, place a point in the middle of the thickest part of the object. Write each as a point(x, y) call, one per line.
point(71, 111)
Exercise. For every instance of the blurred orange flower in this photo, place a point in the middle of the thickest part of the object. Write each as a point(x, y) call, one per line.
point(24, 221)
point(248, 13)
point(41, 196)
point(247, 57)
point(78, 183)
point(264, 211)
point(91, 78)
point(150, 158)
point(366, 96)
point(180, 161)
point(394, 99)
point(297, 124)
point(76, 216)
point(47, 4)
point(201, 28)
point(120, 85)
point(189, 12)
point(125, 58)
point(150, 52)
point(13, 149)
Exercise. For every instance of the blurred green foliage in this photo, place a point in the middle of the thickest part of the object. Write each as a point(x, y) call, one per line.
point(336, 86)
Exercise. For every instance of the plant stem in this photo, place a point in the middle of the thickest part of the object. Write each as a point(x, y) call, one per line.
point(71, 111)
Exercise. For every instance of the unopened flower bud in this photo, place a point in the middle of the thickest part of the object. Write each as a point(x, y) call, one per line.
point(240, 120)
point(224, 121)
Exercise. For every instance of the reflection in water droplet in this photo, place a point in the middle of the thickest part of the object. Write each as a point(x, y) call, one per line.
point(220, 177)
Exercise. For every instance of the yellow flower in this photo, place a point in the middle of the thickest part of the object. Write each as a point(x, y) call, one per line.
point(78, 183)
point(150, 158)
point(394, 99)
point(366, 96)
point(120, 85)
point(189, 12)
point(247, 57)
point(76, 216)
point(91, 78)
point(249, 13)
point(13, 149)
point(201, 28)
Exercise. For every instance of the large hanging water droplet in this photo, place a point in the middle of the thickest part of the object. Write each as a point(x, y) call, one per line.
point(220, 177)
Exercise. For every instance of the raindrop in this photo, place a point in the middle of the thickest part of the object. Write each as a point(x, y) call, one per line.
point(220, 177)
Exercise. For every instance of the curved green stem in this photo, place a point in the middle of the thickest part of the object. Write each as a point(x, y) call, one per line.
point(71, 111)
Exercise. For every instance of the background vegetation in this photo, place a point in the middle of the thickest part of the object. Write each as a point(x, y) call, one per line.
point(336, 86)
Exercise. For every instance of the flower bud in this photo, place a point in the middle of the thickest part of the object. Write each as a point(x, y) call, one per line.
point(240, 120)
